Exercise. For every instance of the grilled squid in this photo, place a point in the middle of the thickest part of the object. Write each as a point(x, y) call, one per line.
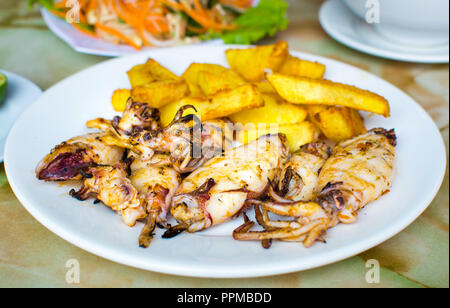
point(219, 189)
point(156, 185)
point(298, 180)
point(70, 159)
point(110, 185)
point(137, 118)
point(188, 142)
point(358, 172)
point(309, 222)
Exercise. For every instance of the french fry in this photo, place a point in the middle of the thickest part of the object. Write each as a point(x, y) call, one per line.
point(139, 75)
point(210, 83)
point(303, 90)
point(191, 76)
point(197, 76)
point(119, 99)
point(265, 87)
point(159, 72)
point(275, 110)
point(297, 134)
point(160, 93)
point(337, 123)
point(251, 62)
point(302, 68)
point(220, 105)
point(148, 72)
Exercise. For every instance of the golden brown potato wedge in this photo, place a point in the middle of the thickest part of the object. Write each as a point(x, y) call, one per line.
point(148, 72)
point(303, 90)
point(251, 62)
point(119, 99)
point(191, 76)
point(139, 75)
point(220, 105)
point(297, 134)
point(302, 68)
point(198, 77)
point(275, 110)
point(210, 82)
point(159, 72)
point(264, 86)
point(160, 93)
point(337, 123)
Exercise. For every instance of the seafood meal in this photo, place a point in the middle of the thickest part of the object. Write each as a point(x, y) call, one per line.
point(268, 136)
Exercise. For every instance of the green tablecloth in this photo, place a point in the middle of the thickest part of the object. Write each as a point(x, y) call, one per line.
point(32, 256)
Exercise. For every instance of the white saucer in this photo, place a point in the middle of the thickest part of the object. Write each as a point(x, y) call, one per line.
point(21, 93)
point(342, 25)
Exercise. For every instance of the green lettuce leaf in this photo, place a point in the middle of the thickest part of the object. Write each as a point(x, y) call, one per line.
point(265, 19)
point(48, 4)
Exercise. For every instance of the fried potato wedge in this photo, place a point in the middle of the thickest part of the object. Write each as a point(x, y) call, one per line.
point(251, 62)
point(303, 90)
point(302, 68)
point(275, 110)
point(160, 93)
point(119, 99)
point(220, 105)
point(297, 134)
point(148, 72)
point(192, 73)
point(139, 75)
point(264, 86)
point(159, 72)
point(337, 123)
point(212, 82)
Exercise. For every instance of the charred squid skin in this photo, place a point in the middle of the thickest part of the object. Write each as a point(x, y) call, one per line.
point(81, 195)
point(182, 210)
point(141, 117)
point(331, 199)
point(65, 166)
point(300, 174)
point(174, 231)
point(389, 134)
point(146, 235)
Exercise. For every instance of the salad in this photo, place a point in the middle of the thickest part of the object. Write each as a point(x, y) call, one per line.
point(163, 23)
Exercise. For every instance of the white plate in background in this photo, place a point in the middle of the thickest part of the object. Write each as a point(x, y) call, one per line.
point(62, 111)
point(90, 45)
point(20, 93)
point(347, 28)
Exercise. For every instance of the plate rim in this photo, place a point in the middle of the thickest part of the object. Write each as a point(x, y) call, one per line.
point(51, 22)
point(339, 254)
point(31, 85)
point(368, 48)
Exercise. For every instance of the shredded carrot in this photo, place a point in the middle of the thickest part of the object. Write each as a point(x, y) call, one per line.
point(84, 31)
point(118, 34)
point(92, 5)
point(60, 5)
point(60, 14)
point(199, 7)
point(237, 3)
point(196, 30)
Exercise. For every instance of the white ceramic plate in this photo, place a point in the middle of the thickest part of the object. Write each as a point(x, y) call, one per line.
point(21, 93)
point(61, 113)
point(347, 28)
point(90, 45)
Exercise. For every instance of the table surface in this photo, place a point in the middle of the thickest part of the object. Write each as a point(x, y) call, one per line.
point(32, 256)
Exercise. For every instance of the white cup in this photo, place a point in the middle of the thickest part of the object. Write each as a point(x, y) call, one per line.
point(410, 22)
